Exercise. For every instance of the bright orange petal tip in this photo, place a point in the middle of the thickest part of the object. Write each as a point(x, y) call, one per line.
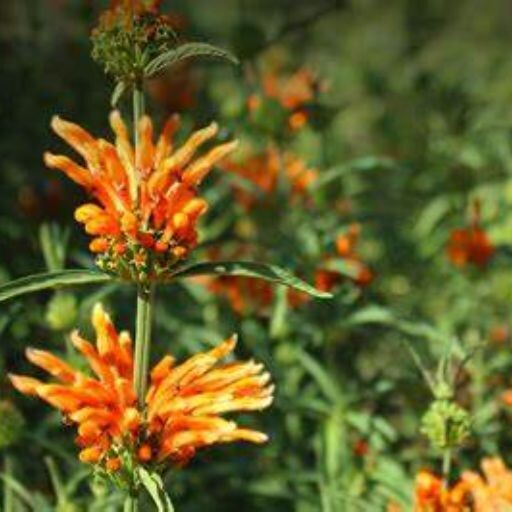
point(145, 203)
point(184, 405)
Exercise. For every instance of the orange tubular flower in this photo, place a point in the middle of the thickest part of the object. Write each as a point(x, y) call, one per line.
point(431, 495)
point(493, 491)
point(148, 207)
point(470, 245)
point(263, 171)
point(184, 405)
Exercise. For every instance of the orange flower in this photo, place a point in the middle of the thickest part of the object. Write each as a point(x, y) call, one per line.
point(294, 93)
point(148, 203)
point(431, 495)
point(263, 172)
point(493, 491)
point(184, 404)
point(470, 244)
point(346, 248)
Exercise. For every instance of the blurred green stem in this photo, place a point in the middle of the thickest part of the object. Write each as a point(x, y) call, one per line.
point(447, 461)
point(8, 492)
point(131, 504)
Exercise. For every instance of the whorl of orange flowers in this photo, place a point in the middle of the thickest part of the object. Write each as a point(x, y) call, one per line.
point(473, 492)
point(346, 249)
point(263, 170)
point(470, 245)
point(147, 206)
point(183, 406)
point(431, 495)
point(493, 490)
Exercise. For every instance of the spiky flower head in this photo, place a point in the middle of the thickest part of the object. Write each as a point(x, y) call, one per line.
point(129, 34)
point(183, 409)
point(145, 218)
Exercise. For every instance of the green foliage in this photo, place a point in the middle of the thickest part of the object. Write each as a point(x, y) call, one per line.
point(413, 123)
point(11, 426)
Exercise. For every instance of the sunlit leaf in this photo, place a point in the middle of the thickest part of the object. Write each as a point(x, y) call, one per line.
point(187, 51)
point(47, 280)
point(249, 269)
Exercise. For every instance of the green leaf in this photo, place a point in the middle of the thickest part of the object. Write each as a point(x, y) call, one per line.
point(155, 487)
point(187, 51)
point(37, 282)
point(249, 269)
point(117, 93)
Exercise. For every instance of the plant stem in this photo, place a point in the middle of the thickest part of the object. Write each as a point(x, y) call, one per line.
point(447, 461)
point(138, 112)
point(8, 492)
point(145, 295)
point(131, 504)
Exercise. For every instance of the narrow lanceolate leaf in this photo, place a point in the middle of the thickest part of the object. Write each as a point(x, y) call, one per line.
point(37, 282)
point(117, 94)
point(249, 269)
point(187, 51)
point(155, 488)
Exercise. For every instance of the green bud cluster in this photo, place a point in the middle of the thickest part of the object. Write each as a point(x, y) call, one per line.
point(138, 263)
point(11, 425)
point(124, 53)
point(446, 424)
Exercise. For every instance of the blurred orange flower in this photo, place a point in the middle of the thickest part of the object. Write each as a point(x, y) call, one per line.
point(294, 93)
point(470, 244)
point(346, 249)
point(493, 490)
point(431, 495)
point(148, 203)
point(263, 172)
point(183, 407)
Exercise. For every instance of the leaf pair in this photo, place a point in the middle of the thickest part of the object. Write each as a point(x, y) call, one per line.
point(247, 269)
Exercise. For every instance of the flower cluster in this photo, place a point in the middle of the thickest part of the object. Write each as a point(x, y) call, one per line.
point(431, 495)
point(474, 492)
point(291, 94)
point(183, 406)
point(148, 208)
point(470, 245)
point(263, 172)
point(125, 40)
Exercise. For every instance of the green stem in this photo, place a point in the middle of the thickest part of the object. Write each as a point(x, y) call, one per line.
point(447, 462)
point(138, 112)
point(145, 295)
point(8, 492)
point(131, 504)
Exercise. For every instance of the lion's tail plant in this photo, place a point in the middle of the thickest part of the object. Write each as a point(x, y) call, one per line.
point(131, 422)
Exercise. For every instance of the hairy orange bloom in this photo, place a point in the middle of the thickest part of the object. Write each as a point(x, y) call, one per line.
point(294, 93)
point(184, 404)
point(470, 245)
point(263, 171)
point(493, 490)
point(346, 249)
point(147, 205)
point(431, 495)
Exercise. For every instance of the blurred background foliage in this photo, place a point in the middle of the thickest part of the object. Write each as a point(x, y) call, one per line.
point(408, 119)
